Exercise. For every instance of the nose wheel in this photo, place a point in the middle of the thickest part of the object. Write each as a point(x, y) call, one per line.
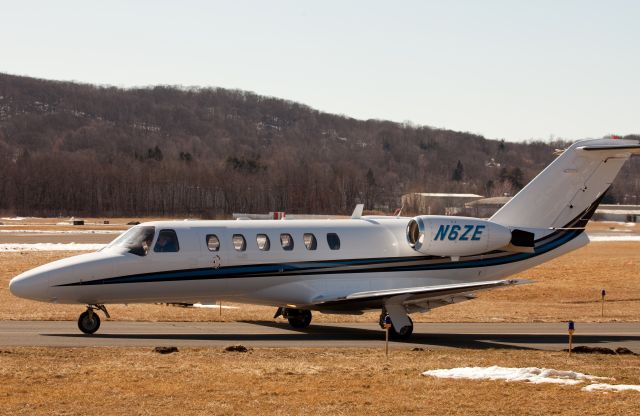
point(89, 321)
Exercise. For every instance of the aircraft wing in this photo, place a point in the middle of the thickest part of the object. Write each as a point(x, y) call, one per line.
point(440, 294)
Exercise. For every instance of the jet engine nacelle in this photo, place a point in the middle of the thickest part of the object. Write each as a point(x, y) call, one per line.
point(455, 236)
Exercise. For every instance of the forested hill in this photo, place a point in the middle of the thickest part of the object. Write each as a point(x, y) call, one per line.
point(76, 149)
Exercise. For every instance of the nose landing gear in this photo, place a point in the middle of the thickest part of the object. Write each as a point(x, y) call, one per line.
point(89, 321)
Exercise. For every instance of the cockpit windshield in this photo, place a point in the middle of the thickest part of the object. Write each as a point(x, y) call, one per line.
point(137, 240)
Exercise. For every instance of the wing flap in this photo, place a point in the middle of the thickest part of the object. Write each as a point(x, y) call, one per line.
point(413, 294)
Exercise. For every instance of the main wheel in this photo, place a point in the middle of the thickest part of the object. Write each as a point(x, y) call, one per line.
point(404, 333)
point(89, 322)
point(300, 319)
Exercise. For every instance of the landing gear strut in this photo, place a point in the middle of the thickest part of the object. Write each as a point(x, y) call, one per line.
point(403, 334)
point(298, 318)
point(89, 321)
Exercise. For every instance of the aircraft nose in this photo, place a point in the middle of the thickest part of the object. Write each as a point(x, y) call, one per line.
point(28, 286)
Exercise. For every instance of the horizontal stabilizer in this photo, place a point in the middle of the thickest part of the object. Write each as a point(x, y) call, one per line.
point(631, 148)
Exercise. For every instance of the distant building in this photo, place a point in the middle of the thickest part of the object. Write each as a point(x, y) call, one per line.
point(621, 213)
point(436, 203)
point(486, 207)
point(473, 205)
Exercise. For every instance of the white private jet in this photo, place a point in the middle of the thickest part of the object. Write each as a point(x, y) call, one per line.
point(398, 265)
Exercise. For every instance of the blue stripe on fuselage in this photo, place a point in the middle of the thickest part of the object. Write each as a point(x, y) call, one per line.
point(309, 268)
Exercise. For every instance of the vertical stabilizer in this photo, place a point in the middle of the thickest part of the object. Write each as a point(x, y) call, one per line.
point(569, 185)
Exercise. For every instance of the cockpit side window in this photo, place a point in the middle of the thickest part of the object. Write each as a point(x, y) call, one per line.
point(137, 240)
point(167, 242)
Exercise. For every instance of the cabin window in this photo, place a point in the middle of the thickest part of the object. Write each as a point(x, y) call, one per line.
point(213, 243)
point(310, 241)
point(263, 242)
point(334, 241)
point(239, 243)
point(287, 242)
point(167, 242)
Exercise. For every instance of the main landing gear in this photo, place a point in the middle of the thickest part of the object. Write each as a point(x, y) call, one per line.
point(405, 330)
point(298, 318)
point(89, 321)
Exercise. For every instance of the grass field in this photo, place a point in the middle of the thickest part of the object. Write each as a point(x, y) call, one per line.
point(57, 381)
point(124, 381)
point(566, 288)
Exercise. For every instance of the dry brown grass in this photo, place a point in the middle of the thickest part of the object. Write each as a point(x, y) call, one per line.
point(123, 381)
point(565, 288)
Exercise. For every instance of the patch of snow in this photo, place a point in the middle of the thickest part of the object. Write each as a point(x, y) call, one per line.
point(531, 374)
point(213, 306)
point(50, 247)
point(601, 238)
point(13, 218)
point(611, 387)
point(10, 231)
point(626, 224)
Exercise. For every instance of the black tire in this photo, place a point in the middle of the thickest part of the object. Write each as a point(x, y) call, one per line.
point(88, 322)
point(404, 334)
point(300, 320)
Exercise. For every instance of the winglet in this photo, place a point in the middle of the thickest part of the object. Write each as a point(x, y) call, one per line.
point(357, 212)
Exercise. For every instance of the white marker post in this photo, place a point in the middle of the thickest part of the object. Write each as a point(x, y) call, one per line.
point(387, 326)
point(603, 293)
point(572, 328)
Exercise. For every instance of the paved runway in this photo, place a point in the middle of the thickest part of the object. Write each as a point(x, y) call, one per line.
point(541, 336)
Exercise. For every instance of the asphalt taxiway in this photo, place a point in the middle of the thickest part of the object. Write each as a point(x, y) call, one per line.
point(538, 336)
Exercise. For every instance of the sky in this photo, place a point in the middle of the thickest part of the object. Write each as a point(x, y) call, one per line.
point(513, 70)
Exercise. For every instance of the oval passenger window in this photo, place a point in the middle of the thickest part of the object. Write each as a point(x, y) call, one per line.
point(213, 244)
point(310, 241)
point(239, 242)
point(287, 242)
point(263, 242)
point(334, 241)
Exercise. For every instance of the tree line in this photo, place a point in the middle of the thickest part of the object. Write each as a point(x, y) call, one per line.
point(77, 149)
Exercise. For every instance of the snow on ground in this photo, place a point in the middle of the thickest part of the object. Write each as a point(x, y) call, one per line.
point(626, 224)
point(611, 387)
point(13, 218)
point(50, 247)
point(53, 232)
point(213, 306)
point(609, 237)
point(531, 374)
